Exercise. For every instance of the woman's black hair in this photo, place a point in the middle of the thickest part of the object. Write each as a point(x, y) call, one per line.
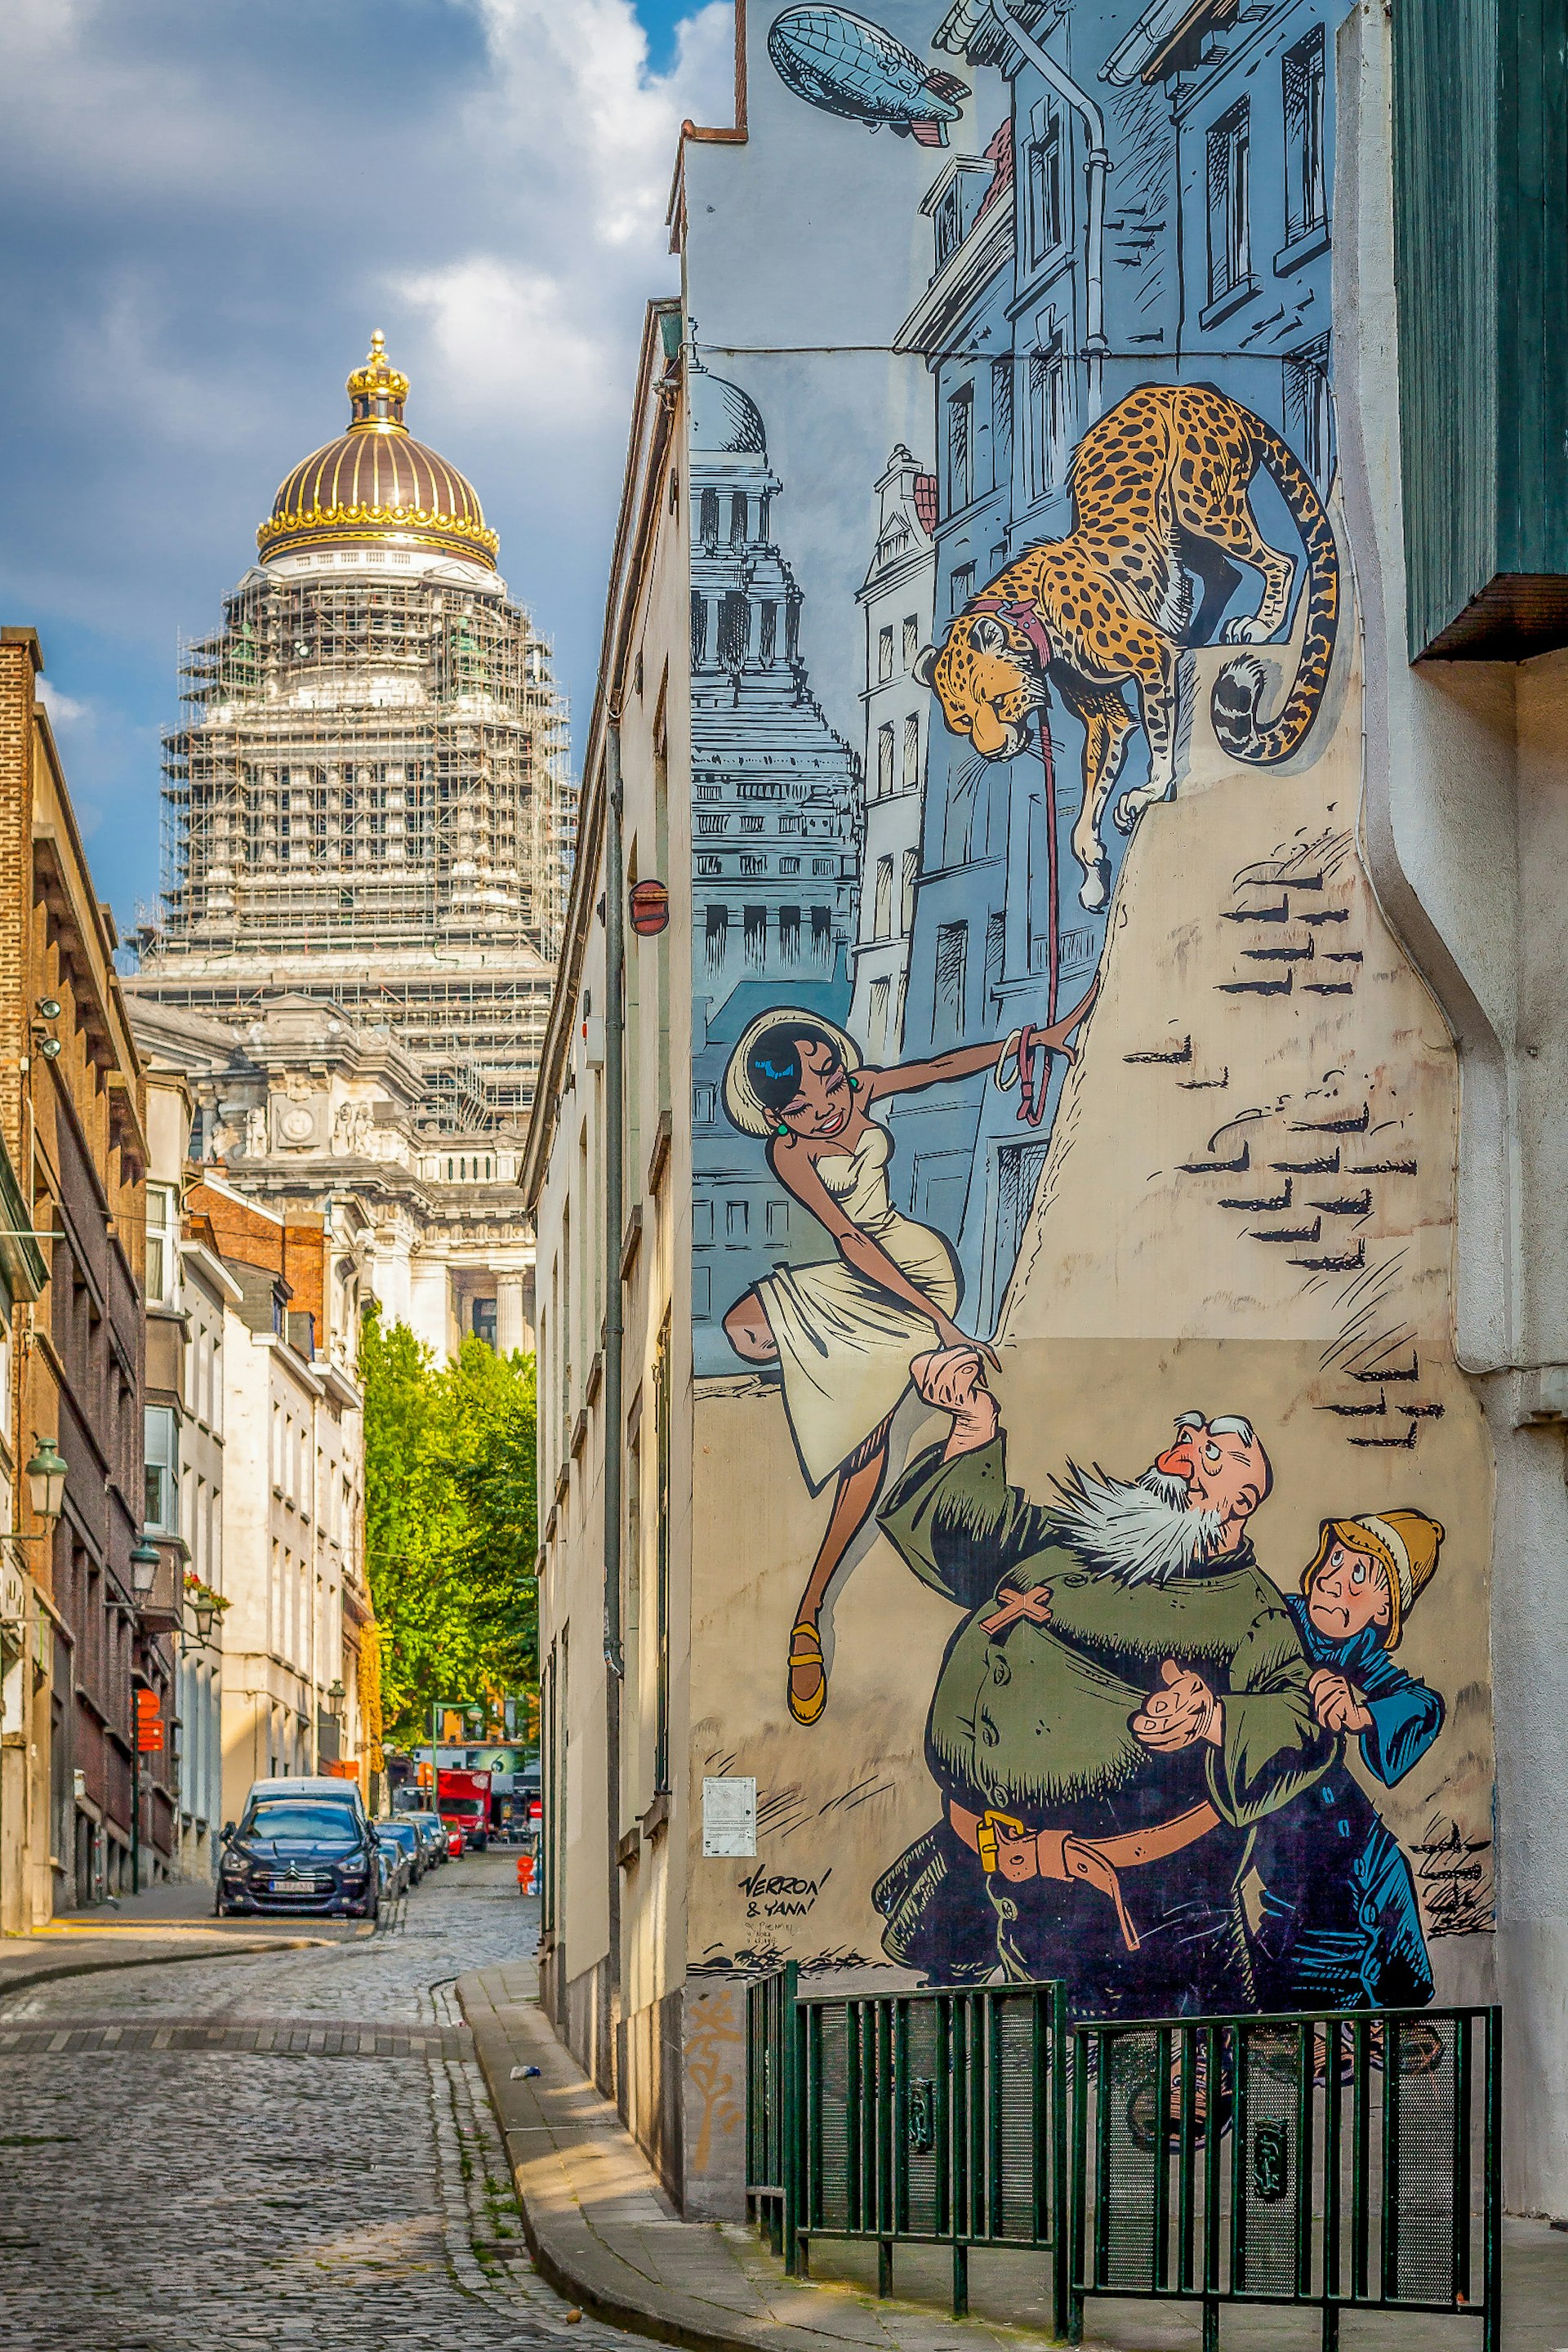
point(774, 1062)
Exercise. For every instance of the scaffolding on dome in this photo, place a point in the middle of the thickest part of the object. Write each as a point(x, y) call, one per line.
point(370, 766)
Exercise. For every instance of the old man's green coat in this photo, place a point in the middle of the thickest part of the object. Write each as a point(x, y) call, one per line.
point(1032, 1720)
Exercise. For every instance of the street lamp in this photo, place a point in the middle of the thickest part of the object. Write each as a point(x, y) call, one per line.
point(336, 1695)
point(203, 1612)
point(46, 1480)
point(146, 1561)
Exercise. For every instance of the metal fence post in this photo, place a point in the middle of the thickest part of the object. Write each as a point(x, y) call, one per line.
point(1064, 2309)
point(791, 2166)
point(1491, 2186)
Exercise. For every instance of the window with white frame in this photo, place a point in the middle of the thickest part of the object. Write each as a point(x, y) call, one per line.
point(162, 1244)
point(161, 1509)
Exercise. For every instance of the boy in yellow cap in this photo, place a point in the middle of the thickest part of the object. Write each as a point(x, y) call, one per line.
point(1341, 1926)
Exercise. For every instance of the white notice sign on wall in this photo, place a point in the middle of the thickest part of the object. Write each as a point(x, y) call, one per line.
point(730, 1816)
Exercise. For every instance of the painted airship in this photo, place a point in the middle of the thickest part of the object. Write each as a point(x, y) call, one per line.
point(848, 67)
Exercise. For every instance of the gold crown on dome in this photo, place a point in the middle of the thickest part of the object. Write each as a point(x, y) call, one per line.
point(377, 390)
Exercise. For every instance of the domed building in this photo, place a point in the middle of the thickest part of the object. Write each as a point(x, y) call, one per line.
point(368, 805)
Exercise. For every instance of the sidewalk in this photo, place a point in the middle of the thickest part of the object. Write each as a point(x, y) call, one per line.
point(170, 1921)
point(602, 2231)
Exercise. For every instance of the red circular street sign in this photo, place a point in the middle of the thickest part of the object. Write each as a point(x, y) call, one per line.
point(649, 905)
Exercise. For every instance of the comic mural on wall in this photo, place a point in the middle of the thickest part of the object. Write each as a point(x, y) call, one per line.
point(1073, 1142)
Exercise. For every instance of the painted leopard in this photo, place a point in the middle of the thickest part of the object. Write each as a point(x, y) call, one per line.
point(1160, 495)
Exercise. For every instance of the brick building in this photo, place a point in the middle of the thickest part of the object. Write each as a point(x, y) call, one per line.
point(82, 1812)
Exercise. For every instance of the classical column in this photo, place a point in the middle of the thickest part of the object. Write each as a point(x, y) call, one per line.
point(511, 1326)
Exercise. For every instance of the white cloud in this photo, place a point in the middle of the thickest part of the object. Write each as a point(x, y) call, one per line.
point(538, 325)
point(209, 206)
point(507, 344)
point(64, 709)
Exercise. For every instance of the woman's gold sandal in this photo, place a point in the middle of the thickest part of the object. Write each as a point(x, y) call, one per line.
point(806, 1666)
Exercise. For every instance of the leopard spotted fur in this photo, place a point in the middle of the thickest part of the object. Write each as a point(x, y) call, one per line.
point(1159, 490)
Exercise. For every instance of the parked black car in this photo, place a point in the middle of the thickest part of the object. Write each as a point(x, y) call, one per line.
point(433, 1834)
point(299, 1854)
point(397, 1856)
point(411, 1838)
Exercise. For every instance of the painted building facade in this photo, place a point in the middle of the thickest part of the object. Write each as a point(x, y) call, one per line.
point(1056, 1448)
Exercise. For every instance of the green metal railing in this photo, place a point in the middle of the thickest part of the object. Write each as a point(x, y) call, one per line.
point(772, 2036)
point(1345, 2161)
point(1348, 2162)
point(933, 2119)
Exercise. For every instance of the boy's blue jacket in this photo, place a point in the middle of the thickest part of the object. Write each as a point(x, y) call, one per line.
point(1405, 1716)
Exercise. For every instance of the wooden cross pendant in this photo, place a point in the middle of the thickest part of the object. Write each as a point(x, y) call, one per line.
point(1034, 1605)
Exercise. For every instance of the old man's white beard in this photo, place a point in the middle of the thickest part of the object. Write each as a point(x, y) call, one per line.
point(1142, 1529)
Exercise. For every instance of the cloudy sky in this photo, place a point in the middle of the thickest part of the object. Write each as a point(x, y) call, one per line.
point(209, 204)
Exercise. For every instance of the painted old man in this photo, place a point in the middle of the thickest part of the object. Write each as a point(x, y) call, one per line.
point(1125, 1698)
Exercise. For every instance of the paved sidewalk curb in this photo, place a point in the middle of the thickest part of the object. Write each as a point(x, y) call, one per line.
point(81, 1964)
point(601, 2230)
point(537, 2119)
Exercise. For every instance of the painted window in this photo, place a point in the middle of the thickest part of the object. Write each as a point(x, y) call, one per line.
point(1308, 408)
point(1230, 202)
point(717, 929)
point(789, 865)
point(698, 631)
point(884, 900)
point(822, 933)
point(789, 921)
point(881, 991)
point(962, 585)
point(1001, 422)
point(911, 639)
point(885, 758)
point(911, 772)
point(709, 517)
point(738, 519)
point(961, 448)
point(701, 1221)
point(737, 1220)
point(951, 956)
point(949, 224)
point(754, 932)
point(778, 1221)
point(885, 654)
point(704, 1105)
point(734, 629)
point(1048, 424)
point(767, 632)
point(1047, 223)
point(911, 861)
point(1306, 178)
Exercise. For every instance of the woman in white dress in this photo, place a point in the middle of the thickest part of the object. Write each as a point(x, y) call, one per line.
point(843, 1331)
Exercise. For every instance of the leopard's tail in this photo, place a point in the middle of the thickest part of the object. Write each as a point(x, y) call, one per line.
point(1239, 687)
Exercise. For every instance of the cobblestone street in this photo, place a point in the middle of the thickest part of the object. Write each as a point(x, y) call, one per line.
point(293, 2149)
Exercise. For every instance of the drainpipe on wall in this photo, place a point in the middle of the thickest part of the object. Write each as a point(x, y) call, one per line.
point(614, 1218)
point(1099, 160)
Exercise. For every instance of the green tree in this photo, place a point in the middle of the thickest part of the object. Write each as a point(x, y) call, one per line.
point(451, 1520)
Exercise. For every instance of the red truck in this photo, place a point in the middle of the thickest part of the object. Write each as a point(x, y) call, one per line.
point(463, 1801)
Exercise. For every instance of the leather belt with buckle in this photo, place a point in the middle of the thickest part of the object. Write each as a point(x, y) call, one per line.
point(1010, 1851)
